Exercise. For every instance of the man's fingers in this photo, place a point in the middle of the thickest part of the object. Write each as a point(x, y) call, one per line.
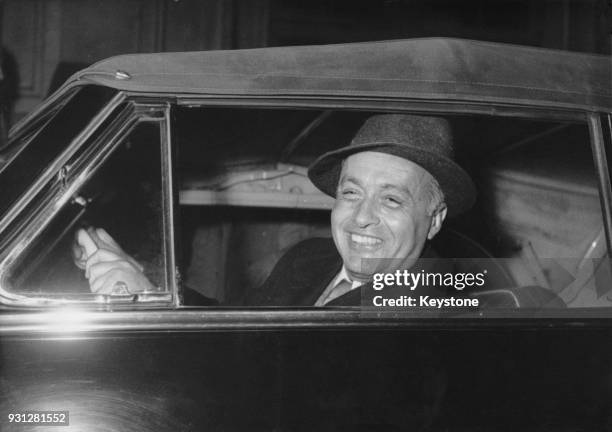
point(106, 283)
point(99, 269)
point(104, 236)
point(105, 263)
point(100, 242)
point(102, 285)
point(135, 281)
point(85, 241)
point(94, 236)
point(101, 255)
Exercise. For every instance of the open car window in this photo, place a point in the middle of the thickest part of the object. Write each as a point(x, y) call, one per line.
point(535, 235)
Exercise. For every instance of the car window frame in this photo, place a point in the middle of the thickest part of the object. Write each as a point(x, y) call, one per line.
point(63, 178)
point(181, 317)
point(600, 129)
point(589, 119)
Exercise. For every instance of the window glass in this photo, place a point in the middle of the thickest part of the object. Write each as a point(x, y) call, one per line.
point(123, 197)
point(535, 231)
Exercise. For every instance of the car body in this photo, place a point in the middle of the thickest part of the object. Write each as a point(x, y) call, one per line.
point(196, 163)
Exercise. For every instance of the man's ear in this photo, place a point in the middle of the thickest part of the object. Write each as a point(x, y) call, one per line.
point(436, 221)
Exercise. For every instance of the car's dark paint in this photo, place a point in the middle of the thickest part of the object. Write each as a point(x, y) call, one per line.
point(503, 380)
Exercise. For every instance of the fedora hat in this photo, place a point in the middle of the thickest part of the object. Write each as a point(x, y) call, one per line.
point(426, 141)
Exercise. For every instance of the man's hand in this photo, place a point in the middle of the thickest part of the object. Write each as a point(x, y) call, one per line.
point(107, 267)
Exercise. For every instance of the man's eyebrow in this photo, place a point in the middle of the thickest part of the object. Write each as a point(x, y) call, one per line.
point(385, 186)
point(402, 189)
point(351, 179)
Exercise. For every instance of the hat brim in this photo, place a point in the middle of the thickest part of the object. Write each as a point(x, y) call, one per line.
point(457, 186)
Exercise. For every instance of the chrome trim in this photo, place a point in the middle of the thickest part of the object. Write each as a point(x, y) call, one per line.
point(90, 302)
point(450, 106)
point(61, 160)
point(322, 103)
point(168, 205)
point(80, 322)
point(603, 175)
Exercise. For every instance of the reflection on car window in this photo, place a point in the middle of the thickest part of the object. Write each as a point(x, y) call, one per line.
point(536, 226)
point(124, 198)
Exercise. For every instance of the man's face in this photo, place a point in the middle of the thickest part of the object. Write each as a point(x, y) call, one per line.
point(382, 210)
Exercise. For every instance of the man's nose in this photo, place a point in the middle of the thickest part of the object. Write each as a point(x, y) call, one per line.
point(366, 214)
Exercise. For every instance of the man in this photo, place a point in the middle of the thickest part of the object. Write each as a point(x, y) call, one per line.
point(394, 186)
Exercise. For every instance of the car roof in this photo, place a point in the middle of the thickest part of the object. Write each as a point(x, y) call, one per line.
point(432, 69)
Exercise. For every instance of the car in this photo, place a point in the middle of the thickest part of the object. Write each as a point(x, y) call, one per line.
point(196, 163)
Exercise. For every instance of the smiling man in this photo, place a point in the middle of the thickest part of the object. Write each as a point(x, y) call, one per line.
point(394, 186)
point(386, 207)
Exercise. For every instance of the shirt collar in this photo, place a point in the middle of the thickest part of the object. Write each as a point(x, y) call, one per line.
point(343, 276)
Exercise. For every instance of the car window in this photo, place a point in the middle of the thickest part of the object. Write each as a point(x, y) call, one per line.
point(536, 229)
point(249, 220)
point(123, 195)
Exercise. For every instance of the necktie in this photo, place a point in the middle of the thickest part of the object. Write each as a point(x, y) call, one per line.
point(341, 288)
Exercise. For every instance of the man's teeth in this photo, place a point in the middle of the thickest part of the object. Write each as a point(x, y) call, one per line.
point(364, 240)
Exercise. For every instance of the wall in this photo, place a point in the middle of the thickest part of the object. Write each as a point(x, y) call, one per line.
point(39, 35)
point(42, 34)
